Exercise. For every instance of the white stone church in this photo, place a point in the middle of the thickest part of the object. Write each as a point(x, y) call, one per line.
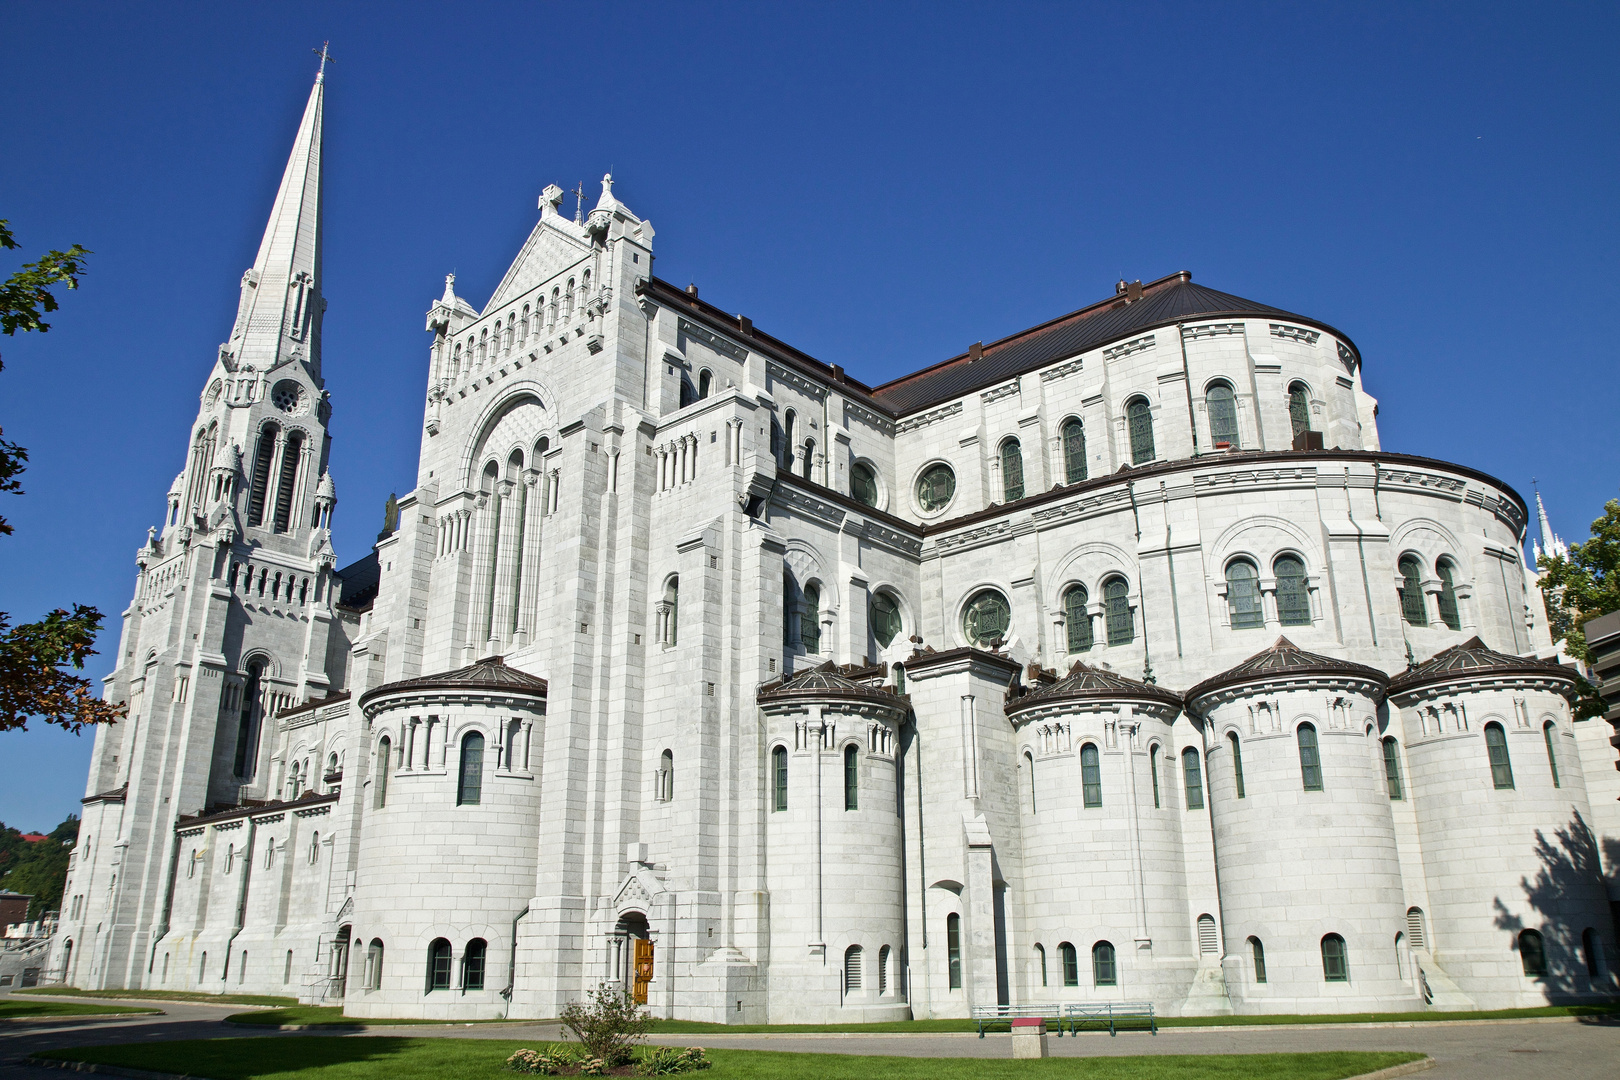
point(1111, 661)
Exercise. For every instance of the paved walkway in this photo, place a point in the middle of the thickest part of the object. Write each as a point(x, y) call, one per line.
point(1502, 1050)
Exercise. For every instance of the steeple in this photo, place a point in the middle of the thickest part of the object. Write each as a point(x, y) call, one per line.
point(279, 317)
point(1550, 542)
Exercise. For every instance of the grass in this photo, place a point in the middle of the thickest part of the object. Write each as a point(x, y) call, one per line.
point(332, 1058)
point(328, 1016)
point(164, 995)
point(27, 1010)
point(693, 1027)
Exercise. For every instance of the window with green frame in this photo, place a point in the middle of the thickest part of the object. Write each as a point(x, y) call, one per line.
point(1071, 964)
point(1532, 953)
point(1259, 952)
point(1103, 969)
point(1501, 765)
point(886, 622)
point(863, 484)
point(1076, 619)
point(1299, 407)
point(1012, 471)
point(1237, 761)
point(1117, 612)
point(1223, 422)
point(1243, 595)
point(852, 777)
point(1392, 768)
point(1139, 420)
point(1153, 768)
point(779, 778)
point(1293, 592)
point(1090, 775)
point(1447, 572)
point(1335, 959)
point(1193, 778)
point(810, 619)
point(936, 487)
point(1412, 607)
point(986, 617)
point(1074, 450)
point(1310, 757)
point(953, 949)
point(1549, 731)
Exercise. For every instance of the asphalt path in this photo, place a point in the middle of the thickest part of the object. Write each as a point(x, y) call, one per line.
point(1497, 1050)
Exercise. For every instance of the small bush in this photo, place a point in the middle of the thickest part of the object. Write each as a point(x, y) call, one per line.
point(672, 1060)
point(548, 1062)
point(593, 1067)
point(609, 1027)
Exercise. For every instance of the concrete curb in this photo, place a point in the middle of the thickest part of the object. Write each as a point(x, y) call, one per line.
point(137, 1015)
point(1399, 1070)
point(389, 1027)
point(106, 1070)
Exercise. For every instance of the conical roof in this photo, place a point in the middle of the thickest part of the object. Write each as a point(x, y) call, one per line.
point(1285, 659)
point(489, 674)
point(1473, 659)
point(1084, 683)
point(826, 683)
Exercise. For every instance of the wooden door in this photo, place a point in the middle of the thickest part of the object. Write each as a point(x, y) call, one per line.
point(644, 969)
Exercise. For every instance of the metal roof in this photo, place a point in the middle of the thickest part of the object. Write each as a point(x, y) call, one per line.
point(1285, 659)
point(827, 683)
point(1084, 683)
point(489, 675)
point(1472, 659)
point(1164, 302)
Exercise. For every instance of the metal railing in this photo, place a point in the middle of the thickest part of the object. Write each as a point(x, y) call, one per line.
point(1072, 1015)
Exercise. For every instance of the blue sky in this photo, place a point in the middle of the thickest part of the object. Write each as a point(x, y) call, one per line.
point(879, 184)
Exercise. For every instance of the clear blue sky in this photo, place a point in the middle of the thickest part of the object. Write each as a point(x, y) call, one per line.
point(880, 184)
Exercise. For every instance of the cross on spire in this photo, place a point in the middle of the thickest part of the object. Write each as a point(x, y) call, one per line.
point(325, 55)
point(579, 203)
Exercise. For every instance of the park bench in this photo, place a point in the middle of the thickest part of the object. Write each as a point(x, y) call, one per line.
point(1006, 1014)
point(1110, 1012)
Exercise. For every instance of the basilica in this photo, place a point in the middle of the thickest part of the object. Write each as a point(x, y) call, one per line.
point(1114, 660)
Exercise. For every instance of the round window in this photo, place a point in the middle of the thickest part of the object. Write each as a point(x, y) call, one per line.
point(288, 396)
point(885, 619)
point(863, 484)
point(935, 487)
point(986, 617)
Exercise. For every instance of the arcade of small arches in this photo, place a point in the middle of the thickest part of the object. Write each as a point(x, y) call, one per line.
point(470, 355)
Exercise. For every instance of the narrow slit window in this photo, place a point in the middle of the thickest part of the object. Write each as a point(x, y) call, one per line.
point(852, 778)
point(1223, 422)
point(1090, 775)
point(1392, 768)
point(1258, 951)
point(1501, 765)
point(1237, 762)
point(1194, 779)
point(779, 772)
point(1549, 732)
point(953, 949)
point(1310, 758)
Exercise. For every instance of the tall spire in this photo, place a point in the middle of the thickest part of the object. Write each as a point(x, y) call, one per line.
point(1550, 542)
point(279, 317)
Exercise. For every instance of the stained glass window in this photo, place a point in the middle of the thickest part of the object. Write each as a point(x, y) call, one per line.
point(1074, 451)
point(986, 617)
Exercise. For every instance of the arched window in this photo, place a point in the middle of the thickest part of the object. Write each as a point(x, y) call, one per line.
point(1591, 947)
point(263, 457)
point(1299, 407)
point(1074, 450)
point(1209, 941)
point(666, 776)
point(669, 613)
point(1071, 964)
point(1223, 425)
point(1446, 571)
point(568, 300)
point(807, 466)
point(986, 618)
point(852, 777)
point(1090, 775)
point(1532, 953)
point(1012, 471)
point(1117, 616)
point(883, 970)
point(953, 949)
point(1412, 609)
point(1243, 595)
point(886, 622)
point(374, 962)
point(1029, 769)
point(1310, 758)
point(1392, 768)
point(286, 971)
point(202, 967)
point(1549, 732)
point(1076, 620)
point(863, 484)
point(472, 964)
point(384, 764)
point(810, 619)
point(523, 326)
point(688, 395)
point(314, 848)
point(1293, 595)
point(1139, 419)
point(1040, 958)
point(789, 422)
point(1258, 952)
point(230, 858)
point(1193, 777)
point(1103, 971)
point(241, 969)
point(1153, 768)
point(1501, 767)
point(438, 972)
point(1417, 935)
point(1335, 959)
point(705, 383)
point(852, 969)
point(470, 785)
point(1237, 761)
point(779, 776)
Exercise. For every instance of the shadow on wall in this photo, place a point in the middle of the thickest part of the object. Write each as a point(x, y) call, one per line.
point(1568, 895)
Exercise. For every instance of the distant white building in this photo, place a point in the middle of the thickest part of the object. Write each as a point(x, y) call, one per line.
point(1111, 660)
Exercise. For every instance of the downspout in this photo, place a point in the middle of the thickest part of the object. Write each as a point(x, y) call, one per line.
point(1186, 384)
point(511, 978)
point(1147, 656)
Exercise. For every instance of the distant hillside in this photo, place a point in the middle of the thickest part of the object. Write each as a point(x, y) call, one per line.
point(38, 868)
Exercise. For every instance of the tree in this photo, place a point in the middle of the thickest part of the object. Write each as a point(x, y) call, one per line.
point(33, 656)
point(1582, 586)
point(38, 869)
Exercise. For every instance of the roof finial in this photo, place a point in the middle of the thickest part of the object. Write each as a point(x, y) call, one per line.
point(325, 55)
point(579, 203)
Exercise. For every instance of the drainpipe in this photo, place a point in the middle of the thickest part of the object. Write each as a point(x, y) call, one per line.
point(511, 980)
point(1147, 656)
point(1186, 383)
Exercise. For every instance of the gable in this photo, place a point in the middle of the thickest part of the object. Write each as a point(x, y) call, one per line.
point(550, 249)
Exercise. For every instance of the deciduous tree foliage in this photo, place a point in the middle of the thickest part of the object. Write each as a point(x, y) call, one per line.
point(34, 656)
point(1581, 587)
point(37, 869)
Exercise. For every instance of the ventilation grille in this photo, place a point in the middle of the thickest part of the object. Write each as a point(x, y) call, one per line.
point(1207, 940)
point(852, 969)
point(1415, 936)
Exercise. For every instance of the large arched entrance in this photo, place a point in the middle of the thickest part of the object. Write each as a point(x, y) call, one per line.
point(632, 954)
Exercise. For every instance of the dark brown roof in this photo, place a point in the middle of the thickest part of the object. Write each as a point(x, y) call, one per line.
point(313, 703)
point(488, 674)
point(248, 809)
point(1084, 683)
point(360, 580)
point(827, 683)
point(919, 661)
point(1164, 302)
point(1286, 659)
point(1472, 659)
point(117, 794)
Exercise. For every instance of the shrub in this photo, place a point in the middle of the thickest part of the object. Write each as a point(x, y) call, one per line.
point(609, 1027)
point(672, 1060)
point(534, 1062)
point(593, 1067)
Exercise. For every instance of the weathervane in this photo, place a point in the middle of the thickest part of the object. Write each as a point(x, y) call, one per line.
point(320, 76)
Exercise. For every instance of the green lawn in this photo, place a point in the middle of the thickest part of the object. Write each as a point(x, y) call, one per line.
point(19, 1010)
point(693, 1027)
point(164, 995)
point(323, 1057)
point(328, 1016)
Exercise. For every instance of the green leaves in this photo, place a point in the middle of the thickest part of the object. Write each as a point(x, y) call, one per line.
point(26, 295)
point(1581, 587)
point(32, 682)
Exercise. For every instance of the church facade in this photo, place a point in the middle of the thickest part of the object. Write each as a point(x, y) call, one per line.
point(1114, 660)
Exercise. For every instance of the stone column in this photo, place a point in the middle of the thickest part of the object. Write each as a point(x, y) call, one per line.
point(509, 517)
point(528, 560)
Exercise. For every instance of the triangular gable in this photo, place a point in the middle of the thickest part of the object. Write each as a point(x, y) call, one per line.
point(551, 248)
